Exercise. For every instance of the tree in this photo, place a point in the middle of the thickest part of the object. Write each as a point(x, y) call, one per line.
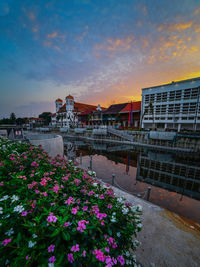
point(46, 116)
point(20, 121)
point(12, 118)
point(151, 108)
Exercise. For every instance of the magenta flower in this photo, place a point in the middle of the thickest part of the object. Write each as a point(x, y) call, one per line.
point(109, 206)
point(81, 225)
point(74, 210)
point(52, 259)
point(101, 196)
point(24, 213)
point(75, 248)
point(6, 241)
point(70, 257)
point(107, 249)
point(84, 253)
point(85, 208)
point(51, 248)
point(69, 201)
point(56, 189)
point(52, 218)
point(121, 260)
point(66, 224)
point(99, 255)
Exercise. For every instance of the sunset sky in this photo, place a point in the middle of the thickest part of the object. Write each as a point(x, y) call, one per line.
point(99, 51)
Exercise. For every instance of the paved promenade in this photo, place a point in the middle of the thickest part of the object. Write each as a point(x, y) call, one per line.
point(168, 240)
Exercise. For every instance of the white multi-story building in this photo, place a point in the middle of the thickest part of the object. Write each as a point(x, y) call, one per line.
point(172, 106)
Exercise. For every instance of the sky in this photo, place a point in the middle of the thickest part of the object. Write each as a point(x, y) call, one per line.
point(100, 51)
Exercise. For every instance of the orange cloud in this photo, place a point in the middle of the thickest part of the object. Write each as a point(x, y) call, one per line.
point(52, 35)
point(175, 27)
point(115, 45)
point(197, 11)
point(35, 29)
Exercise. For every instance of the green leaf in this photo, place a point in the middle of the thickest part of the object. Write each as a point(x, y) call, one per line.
point(66, 236)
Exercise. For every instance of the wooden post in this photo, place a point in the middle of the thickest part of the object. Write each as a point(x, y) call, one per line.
point(90, 162)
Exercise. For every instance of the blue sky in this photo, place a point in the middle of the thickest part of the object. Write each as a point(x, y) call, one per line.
point(100, 51)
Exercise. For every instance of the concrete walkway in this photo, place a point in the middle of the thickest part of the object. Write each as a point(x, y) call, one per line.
point(168, 240)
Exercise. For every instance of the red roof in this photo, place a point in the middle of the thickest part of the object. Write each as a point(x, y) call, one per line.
point(69, 96)
point(88, 111)
point(53, 115)
point(59, 100)
point(136, 107)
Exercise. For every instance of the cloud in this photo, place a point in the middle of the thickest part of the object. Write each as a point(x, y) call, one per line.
point(197, 11)
point(52, 35)
point(114, 45)
point(175, 26)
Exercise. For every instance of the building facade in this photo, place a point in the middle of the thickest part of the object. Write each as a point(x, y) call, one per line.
point(173, 106)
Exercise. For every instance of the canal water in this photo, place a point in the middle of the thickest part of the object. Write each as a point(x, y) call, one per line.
point(174, 178)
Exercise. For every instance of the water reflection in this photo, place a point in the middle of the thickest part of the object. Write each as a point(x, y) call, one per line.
point(174, 178)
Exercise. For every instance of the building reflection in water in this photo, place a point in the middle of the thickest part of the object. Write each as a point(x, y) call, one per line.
point(177, 177)
point(171, 176)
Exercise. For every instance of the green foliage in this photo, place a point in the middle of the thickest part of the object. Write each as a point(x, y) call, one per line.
point(52, 212)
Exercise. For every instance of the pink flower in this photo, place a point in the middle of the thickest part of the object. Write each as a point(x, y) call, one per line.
point(52, 259)
point(107, 249)
point(52, 218)
point(85, 208)
point(84, 253)
point(81, 225)
point(34, 164)
point(75, 248)
point(69, 201)
point(28, 257)
point(1, 183)
point(101, 196)
point(109, 206)
point(121, 260)
point(66, 224)
point(51, 248)
point(70, 257)
point(24, 213)
point(6, 241)
point(74, 210)
point(99, 255)
point(56, 189)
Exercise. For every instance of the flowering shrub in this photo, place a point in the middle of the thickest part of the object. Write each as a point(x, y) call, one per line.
point(54, 214)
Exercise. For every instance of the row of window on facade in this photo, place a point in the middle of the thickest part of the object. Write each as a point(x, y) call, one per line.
point(184, 108)
point(172, 96)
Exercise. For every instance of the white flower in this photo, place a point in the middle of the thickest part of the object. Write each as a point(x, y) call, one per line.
point(51, 265)
point(0, 224)
point(19, 208)
point(118, 234)
point(113, 219)
point(4, 198)
point(9, 232)
point(34, 236)
point(31, 244)
point(96, 195)
point(6, 216)
point(7, 262)
point(125, 210)
point(1, 210)
point(14, 198)
point(120, 200)
point(139, 225)
point(139, 208)
point(136, 243)
point(95, 184)
point(114, 213)
point(128, 262)
point(94, 174)
point(128, 253)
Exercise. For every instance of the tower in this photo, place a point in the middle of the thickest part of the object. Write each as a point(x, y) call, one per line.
point(69, 103)
point(59, 104)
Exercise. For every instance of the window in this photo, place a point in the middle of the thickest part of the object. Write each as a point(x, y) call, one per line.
point(187, 93)
point(152, 98)
point(146, 98)
point(171, 96)
point(158, 97)
point(185, 108)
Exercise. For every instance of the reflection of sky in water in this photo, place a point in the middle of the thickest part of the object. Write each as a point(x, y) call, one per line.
point(126, 178)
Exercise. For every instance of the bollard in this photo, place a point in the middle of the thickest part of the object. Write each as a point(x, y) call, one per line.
point(90, 162)
point(113, 179)
point(148, 193)
point(80, 158)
